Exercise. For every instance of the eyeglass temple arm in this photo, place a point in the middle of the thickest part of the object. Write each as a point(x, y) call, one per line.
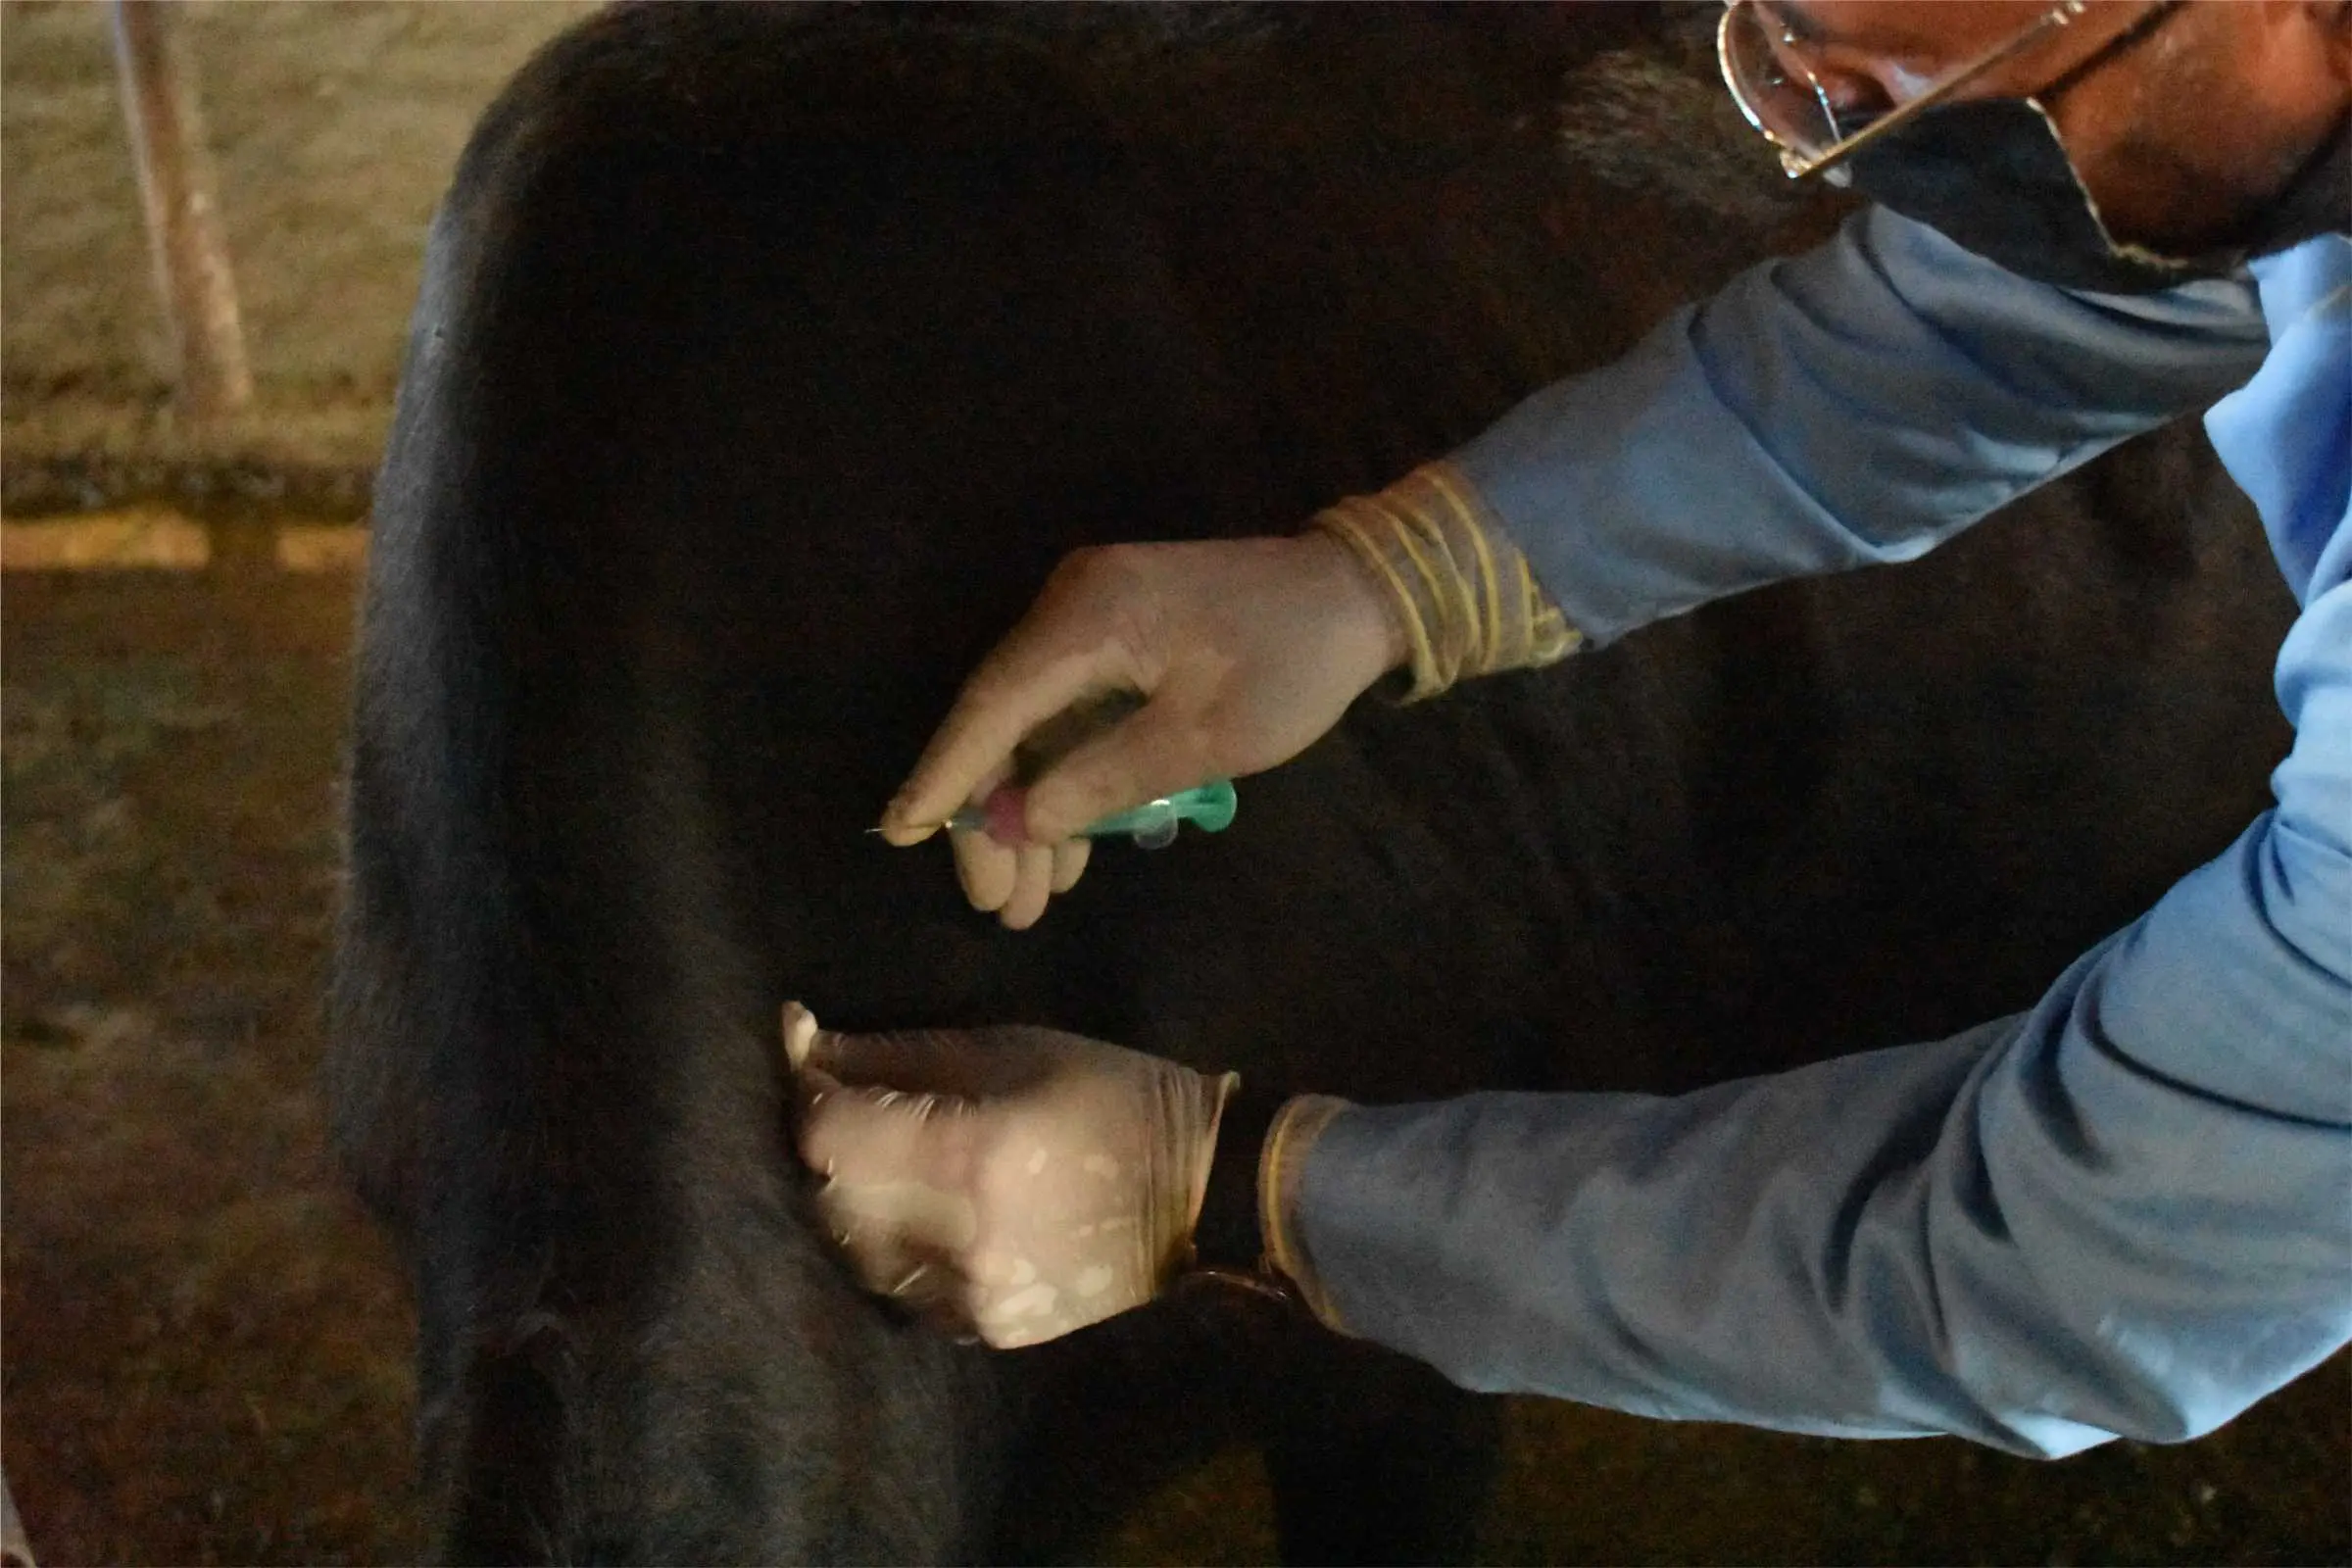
point(1799, 167)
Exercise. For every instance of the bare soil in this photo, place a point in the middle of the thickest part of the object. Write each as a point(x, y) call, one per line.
point(335, 126)
point(205, 1344)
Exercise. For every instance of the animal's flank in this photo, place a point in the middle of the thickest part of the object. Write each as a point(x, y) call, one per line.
point(766, 360)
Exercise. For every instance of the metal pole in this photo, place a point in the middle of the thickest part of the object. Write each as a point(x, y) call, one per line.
point(177, 187)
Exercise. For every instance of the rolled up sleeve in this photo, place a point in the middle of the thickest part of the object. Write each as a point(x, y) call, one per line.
point(1849, 406)
point(2126, 1211)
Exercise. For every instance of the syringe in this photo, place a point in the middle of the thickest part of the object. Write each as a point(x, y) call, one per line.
point(1153, 824)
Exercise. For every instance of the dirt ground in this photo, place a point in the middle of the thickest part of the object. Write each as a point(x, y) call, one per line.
point(334, 126)
point(204, 1357)
point(204, 1348)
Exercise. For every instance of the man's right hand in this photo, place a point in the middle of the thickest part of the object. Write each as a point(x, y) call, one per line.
point(1245, 652)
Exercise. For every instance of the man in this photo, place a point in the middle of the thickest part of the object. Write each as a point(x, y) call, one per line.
point(2128, 1211)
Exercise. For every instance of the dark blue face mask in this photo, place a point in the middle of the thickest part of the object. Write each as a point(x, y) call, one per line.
point(1992, 176)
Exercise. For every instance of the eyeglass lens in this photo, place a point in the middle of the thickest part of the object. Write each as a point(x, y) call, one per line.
point(1787, 106)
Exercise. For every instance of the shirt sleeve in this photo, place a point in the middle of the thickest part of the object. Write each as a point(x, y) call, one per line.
point(2126, 1212)
point(1852, 405)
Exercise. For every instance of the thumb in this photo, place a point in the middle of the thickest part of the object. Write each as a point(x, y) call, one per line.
point(1155, 751)
point(811, 1086)
point(924, 1060)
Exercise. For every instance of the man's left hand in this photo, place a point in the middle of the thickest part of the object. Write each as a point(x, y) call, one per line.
point(1016, 1183)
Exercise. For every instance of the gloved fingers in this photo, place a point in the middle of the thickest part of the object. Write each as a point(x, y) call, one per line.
point(1045, 665)
point(799, 1032)
point(1032, 886)
point(1069, 862)
point(891, 1262)
point(1014, 882)
point(966, 1065)
point(892, 1155)
point(811, 1086)
point(1155, 751)
point(826, 1059)
point(986, 870)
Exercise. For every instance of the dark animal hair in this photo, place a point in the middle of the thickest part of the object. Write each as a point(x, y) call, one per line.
point(765, 361)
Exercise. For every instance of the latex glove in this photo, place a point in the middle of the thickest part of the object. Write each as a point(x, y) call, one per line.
point(1244, 652)
point(1013, 1183)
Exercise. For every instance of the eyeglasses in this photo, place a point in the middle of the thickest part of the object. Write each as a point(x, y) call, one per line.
point(1796, 114)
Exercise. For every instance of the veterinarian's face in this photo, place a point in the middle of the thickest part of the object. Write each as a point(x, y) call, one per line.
point(2187, 126)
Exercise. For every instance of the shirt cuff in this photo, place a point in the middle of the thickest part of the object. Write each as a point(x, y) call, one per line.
point(1280, 1165)
point(1461, 592)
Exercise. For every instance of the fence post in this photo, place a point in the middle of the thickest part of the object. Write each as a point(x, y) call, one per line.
point(180, 192)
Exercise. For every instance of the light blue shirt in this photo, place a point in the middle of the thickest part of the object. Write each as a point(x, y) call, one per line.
point(2127, 1211)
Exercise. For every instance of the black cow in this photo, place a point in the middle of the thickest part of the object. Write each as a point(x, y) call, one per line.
point(765, 361)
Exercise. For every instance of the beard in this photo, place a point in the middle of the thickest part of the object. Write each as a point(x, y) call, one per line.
point(2183, 191)
point(2307, 193)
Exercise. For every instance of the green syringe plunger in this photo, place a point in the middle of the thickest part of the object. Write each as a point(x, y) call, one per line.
point(1152, 825)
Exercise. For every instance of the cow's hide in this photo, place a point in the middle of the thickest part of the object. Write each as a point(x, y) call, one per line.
point(765, 361)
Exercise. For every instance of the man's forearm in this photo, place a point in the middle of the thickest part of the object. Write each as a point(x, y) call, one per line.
point(2123, 1212)
point(1852, 405)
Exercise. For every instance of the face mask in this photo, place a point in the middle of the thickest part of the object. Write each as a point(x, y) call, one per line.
point(1992, 176)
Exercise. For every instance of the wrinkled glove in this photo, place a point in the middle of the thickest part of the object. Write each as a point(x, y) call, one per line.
point(1014, 1183)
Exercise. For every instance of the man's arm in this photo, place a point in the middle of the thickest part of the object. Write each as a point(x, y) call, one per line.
point(2126, 1211)
point(1852, 405)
